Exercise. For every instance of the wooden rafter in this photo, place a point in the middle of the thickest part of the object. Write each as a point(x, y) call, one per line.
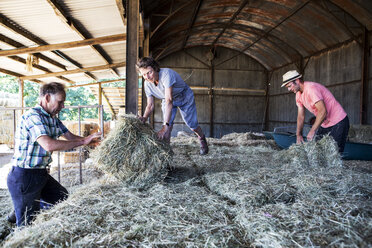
point(121, 8)
point(5, 22)
point(42, 68)
point(15, 74)
point(69, 21)
point(16, 44)
point(82, 70)
point(100, 82)
point(71, 44)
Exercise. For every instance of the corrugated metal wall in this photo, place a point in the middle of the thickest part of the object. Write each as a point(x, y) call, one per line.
point(239, 107)
point(237, 110)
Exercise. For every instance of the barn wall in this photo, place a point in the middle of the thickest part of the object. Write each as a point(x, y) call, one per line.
point(339, 70)
point(233, 110)
point(369, 97)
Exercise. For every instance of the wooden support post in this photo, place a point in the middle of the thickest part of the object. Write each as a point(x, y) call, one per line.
point(99, 103)
point(21, 94)
point(364, 83)
point(265, 125)
point(131, 87)
point(211, 102)
point(146, 49)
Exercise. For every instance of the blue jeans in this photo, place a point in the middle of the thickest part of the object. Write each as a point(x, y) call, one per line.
point(30, 189)
point(338, 131)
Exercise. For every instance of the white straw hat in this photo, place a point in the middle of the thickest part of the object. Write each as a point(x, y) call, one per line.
point(290, 76)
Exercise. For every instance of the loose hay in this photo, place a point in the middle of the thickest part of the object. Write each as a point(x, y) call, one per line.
point(113, 215)
point(132, 153)
point(313, 153)
point(236, 196)
point(360, 133)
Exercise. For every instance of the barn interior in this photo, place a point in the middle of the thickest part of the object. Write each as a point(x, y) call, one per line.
point(246, 192)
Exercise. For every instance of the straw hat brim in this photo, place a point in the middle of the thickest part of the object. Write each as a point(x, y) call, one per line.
point(290, 79)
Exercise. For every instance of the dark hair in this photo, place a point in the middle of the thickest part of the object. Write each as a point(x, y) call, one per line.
point(148, 61)
point(52, 89)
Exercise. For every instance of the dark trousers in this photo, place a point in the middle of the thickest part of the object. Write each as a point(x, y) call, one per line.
point(30, 189)
point(338, 132)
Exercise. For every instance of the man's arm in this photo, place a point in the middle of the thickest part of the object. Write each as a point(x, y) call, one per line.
point(320, 117)
point(148, 110)
point(300, 124)
point(51, 145)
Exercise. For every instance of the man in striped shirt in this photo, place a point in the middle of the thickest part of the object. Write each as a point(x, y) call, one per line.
point(36, 137)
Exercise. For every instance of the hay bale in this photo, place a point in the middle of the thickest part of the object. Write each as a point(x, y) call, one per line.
point(313, 153)
point(133, 154)
point(360, 133)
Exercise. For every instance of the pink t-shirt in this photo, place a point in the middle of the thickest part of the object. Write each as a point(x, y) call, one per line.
point(314, 92)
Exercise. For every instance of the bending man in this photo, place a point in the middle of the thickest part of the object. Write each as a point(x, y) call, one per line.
point(331, 118)
point(28, 181)
point(166, 84)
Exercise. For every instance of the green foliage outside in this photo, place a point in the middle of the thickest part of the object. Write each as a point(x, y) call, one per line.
point(75, 96)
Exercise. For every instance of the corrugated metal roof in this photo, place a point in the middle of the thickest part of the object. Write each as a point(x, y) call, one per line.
point(31, 23)
point(274, 32)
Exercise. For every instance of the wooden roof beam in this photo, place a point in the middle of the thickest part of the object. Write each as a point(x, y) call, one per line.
point(69, 21)
point(80, 70)
point(16, 44)
point(94, 83)
point(65, 45)
point(15, 74)
point(42, 68)
point(17, 29)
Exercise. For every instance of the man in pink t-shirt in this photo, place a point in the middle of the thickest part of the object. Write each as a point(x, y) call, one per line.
point(331, 118)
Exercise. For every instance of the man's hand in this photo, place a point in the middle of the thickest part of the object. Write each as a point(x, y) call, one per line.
point(300, 139)
point(310, 135)
point(164, 133)
point(142, 119)
point(94, 138)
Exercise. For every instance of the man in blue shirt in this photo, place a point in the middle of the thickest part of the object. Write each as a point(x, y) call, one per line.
point(166, 84)
point(36, 137)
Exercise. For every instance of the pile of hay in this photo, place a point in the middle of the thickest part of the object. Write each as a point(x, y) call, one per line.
point(323, 153)
point(133, 154)
point(5, 208)
point(360, 133)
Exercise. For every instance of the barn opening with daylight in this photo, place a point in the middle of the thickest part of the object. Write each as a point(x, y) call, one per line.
point(254, 186)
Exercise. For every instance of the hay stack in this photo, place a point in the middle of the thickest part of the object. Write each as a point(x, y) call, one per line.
point(132, 154)
point(360, 133)
point(322, 153)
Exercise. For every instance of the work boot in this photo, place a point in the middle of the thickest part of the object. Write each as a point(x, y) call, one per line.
point(203, 146)
point(12, 217)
